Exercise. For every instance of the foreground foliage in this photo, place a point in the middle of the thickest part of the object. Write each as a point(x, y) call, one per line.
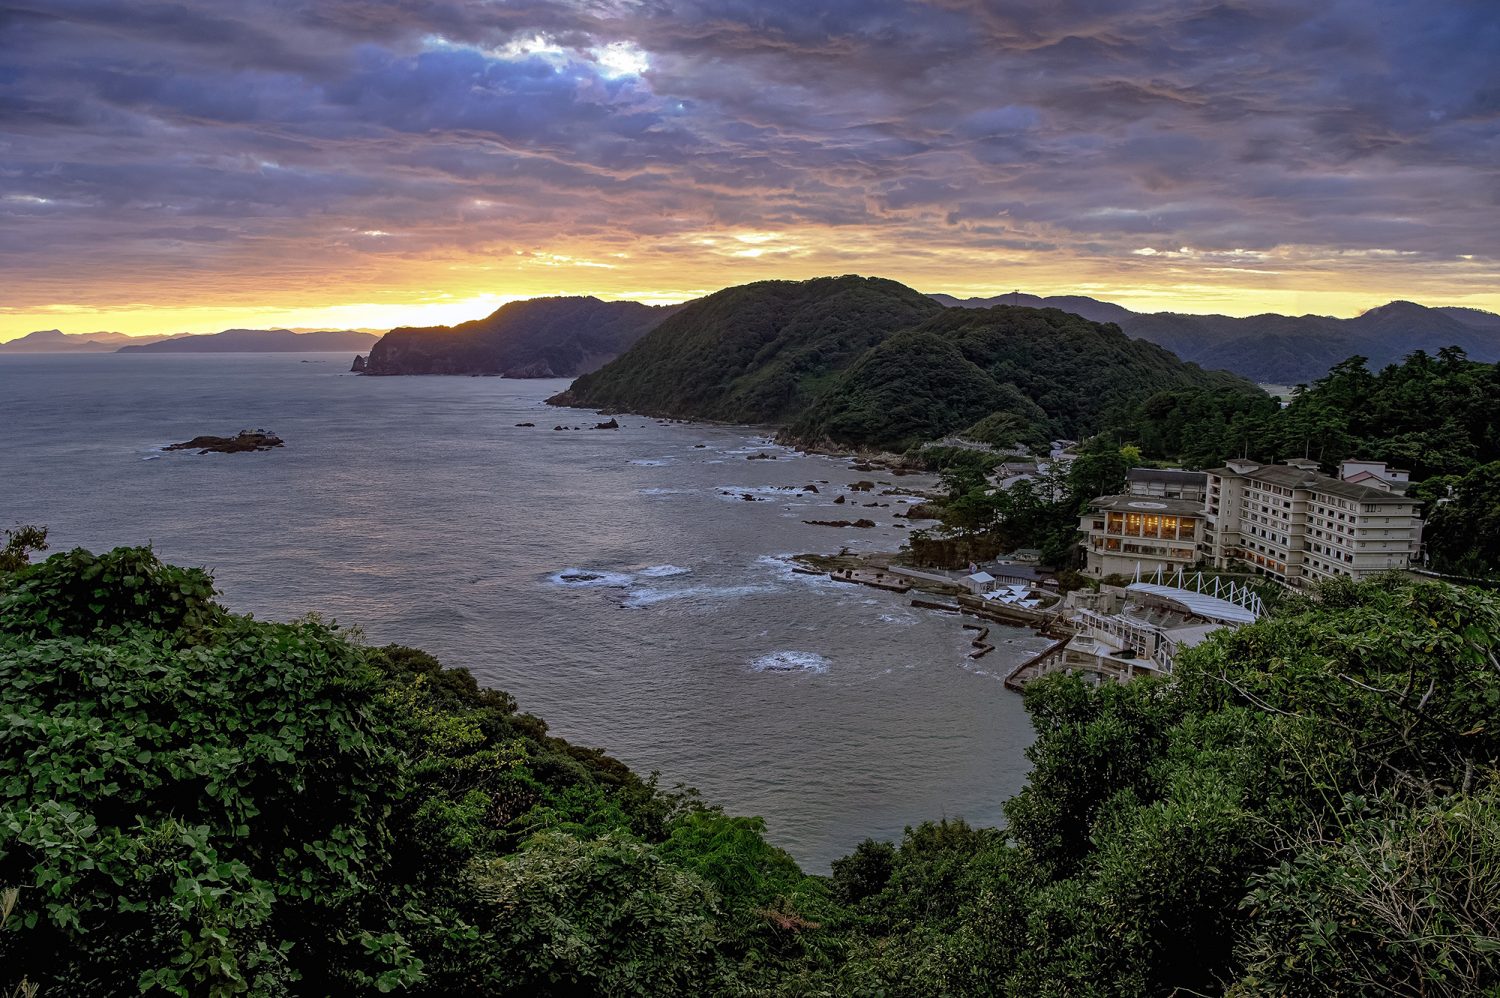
point(194, 802)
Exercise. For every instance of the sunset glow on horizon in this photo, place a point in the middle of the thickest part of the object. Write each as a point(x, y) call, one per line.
point(362, 165)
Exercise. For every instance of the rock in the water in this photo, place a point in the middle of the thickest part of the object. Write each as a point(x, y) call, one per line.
point(761, 457)
point(862, 486)
point(525, 424)
point(839, 501)
point(841, 523)
point(242, 442)
point(612, 424)
point(810, 488)
point(359, 364)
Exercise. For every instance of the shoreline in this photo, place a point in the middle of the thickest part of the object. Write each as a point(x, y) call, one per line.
point(872, 460)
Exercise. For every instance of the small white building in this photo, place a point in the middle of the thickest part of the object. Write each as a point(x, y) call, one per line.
point(980, 583)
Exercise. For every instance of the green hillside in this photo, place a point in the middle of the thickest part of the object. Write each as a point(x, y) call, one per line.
point(1005, 375)
point(758, 353)
point(866, 362)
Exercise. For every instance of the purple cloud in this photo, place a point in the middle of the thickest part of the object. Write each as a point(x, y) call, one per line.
point(138, 137)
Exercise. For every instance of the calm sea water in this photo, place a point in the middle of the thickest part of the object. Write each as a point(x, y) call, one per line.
point(604, 578)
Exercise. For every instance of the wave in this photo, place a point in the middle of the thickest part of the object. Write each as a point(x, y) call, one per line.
point(786, 569)
point(663, 571)
point(761, 493)
point(791, 661)
point(640, 598)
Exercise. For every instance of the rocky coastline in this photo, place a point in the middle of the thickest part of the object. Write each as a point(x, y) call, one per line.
point(244, 442)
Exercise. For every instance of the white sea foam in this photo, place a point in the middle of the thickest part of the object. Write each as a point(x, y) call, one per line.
point(663, 571)
point(651, 462)
point(790, 661)
point(665, 491)
point(786, 567)
point(639, 598)
point(578, 578)
point(778, 493)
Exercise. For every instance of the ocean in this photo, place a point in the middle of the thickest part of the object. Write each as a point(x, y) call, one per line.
point(615, 581)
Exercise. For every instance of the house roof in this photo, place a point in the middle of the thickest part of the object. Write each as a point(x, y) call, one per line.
point(1169, 476)
point(1197, 604)
point(1295, 478)
point(1148, 505)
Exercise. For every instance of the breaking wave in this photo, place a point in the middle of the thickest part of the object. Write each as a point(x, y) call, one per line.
point(791, 661)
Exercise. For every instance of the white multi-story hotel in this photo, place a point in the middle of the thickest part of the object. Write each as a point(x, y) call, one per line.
point(1297, 526)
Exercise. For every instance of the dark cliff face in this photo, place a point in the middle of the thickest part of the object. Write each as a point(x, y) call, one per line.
point(539, 338)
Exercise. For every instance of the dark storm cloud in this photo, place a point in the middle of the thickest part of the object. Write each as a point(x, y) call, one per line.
point(129, 130)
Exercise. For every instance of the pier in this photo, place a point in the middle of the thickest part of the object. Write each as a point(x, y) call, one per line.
point(1043, 662)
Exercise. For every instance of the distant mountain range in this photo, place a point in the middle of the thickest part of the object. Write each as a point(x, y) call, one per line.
point(571, 336)
point(867, 362)
point(1283, 349)
point(228, 341)
point(538, 338)
point(57, 341)
point(261, 341)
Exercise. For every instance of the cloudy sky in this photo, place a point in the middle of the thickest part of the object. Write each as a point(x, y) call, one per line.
point(206, 163)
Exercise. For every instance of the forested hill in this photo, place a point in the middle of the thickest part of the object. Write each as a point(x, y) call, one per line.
point(867, 362)
point(757, 353)
point(1284, 349)
point(539, 338)
point(1005, 375)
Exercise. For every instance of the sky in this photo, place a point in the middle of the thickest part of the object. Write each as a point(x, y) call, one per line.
point(202, 164)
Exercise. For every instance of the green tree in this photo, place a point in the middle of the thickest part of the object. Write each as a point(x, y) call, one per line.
point(1463, 532)
point(20, 544)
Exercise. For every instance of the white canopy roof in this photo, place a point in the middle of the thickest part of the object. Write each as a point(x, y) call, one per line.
point(1196, 603)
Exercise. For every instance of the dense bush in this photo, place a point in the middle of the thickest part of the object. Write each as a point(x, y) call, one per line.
point(194, 802)
point(203, 803)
